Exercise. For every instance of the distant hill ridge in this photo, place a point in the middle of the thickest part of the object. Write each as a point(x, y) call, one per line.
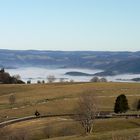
point(111, 62)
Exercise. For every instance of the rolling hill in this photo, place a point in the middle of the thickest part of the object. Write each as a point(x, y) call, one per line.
point(111, 62)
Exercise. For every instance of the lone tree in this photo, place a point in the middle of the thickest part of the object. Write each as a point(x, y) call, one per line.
point(51, 78)
point(103, 80)
point(95, 79)
point(87, 111)
point(121, 104)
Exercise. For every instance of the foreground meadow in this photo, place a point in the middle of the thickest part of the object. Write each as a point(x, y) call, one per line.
point(59, 98)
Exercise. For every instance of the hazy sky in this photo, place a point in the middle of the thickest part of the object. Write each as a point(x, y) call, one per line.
point(70, 24)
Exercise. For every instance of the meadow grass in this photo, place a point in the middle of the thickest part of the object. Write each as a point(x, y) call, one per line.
point(61, 98)
point(58, 98)
point(103, 129)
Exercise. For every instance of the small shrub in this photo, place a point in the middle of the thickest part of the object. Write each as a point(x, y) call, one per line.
point(29, 82)
point(37, 113)
point(38, 82)
point(12, 99)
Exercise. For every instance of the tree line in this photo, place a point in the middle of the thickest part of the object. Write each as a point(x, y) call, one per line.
point(6, 78)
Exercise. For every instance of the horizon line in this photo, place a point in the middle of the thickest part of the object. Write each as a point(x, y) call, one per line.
point(69, 50)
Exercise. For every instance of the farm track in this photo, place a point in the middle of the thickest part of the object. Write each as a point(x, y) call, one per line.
point(101, 116)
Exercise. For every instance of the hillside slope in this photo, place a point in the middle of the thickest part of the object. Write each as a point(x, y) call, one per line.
point(111, 62)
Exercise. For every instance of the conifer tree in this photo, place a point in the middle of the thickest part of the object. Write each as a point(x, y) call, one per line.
point(121, 104)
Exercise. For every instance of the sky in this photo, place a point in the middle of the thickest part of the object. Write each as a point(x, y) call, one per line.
point(97, 25)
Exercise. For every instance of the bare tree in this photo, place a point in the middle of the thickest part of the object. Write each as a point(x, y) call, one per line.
point(12, 99)
point(51, 78)
point(61, 80)
point(87, 111)
point(95, 79)
point(71, 81)
point(103, 80)
point(17, 76)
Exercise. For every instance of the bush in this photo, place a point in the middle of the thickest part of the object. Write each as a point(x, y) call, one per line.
point(37, 113)
point(38, 82)
point(121, 104)
point(29, 82)
point(12, 99)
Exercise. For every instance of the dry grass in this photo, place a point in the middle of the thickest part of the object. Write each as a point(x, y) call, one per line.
point(103, 129)
point(61, 98)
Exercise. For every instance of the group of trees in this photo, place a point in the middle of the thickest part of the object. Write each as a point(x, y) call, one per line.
point(5, 78)
point(97, 79)
point(121, 104)
point(50, 79)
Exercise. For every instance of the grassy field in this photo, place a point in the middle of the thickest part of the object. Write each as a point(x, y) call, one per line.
point(67, 129)
point(61, 98)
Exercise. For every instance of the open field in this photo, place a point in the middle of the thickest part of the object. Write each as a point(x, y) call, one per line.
point(63, 128)
point(61, 98)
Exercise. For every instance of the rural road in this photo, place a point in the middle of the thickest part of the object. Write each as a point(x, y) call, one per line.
point(101, 116)
point(5, 123)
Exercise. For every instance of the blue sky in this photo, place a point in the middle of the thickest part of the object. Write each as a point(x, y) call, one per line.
point(103, 25)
